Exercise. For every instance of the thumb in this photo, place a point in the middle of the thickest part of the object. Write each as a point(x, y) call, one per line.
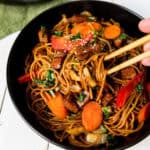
point(144, 25)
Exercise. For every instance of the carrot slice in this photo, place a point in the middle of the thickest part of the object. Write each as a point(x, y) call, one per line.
point(92, 116)
point(144, 113)
point(85, 27)
point(112, 32)
point(56, 104)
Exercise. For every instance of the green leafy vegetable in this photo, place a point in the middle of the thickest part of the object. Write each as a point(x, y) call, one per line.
point(139, 88)
point(49, 81)
point(76, 37)
point(50, 76)
point(37, 81)
point(81, 97)
point(103, 129)
point(123, 36)
point(107, 111)
point(51, 92)
point(58, 33)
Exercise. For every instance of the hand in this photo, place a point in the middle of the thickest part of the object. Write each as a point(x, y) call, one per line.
point(144, 26)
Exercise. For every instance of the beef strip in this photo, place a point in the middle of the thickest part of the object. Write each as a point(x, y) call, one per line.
point(107, 99)
point(128, 73)
point(70, 104)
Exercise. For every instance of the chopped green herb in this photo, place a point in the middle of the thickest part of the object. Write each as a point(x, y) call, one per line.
point(50, 76)
point(139, 88)
point(37, 81)
point(106, 110)
point(123, 36)
point(81, 97)
point(58, 33)
point(51, 92)
point(94, 39)
point(103, 129)
point(76, 37)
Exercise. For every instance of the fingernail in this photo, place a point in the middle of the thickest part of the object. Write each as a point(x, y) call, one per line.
point(144, 25)
point(146, 46)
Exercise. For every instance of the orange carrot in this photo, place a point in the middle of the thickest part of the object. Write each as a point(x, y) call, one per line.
point(144, 113)
point(112, 32)
point(92, 116)
point(42, 35)
point(56, 105)
point(85, 27)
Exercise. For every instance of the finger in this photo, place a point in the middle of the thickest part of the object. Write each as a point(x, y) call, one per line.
point(146, 62)
point(144, 25)
point(146, 46)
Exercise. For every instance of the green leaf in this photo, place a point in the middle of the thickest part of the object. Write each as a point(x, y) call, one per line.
point(81, 97)
point(58, 33)
point(106, 110)
point(139, 88)
point(76, 37)
point(50, 76)
point(123, 36)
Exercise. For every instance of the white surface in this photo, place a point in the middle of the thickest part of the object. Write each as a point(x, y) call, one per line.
point(15, 134)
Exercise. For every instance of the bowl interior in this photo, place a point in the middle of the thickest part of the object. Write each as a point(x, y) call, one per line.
point(28, 38)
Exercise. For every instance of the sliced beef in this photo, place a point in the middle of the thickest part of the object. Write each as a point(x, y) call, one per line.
point(128, 73)
point(57, 60)
point(70, 104)
point(107, 99)
point(86, 51)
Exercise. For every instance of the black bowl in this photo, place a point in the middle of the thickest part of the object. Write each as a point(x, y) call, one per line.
point(27, 40)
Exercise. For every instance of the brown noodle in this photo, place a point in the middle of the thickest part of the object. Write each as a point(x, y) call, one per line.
point(121, 121)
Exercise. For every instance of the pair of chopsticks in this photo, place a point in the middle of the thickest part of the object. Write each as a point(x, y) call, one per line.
point(126, 48)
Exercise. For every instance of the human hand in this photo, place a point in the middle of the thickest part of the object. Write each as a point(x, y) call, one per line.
point(144, 26)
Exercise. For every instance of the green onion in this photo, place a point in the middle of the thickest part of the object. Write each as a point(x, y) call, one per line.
point(103, 129)
point(81, 97)
point(107, 111)
point(91, 18)
point(58, 33)
point(139, 88)
point(52, 93)
point(50, 76)
point(37, 81)
point(76, 37)
point(123, 36)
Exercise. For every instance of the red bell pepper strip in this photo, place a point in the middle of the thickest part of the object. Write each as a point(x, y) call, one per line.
point(24, 78)
point(63, 43)
point(125, 91)
point(144, 113)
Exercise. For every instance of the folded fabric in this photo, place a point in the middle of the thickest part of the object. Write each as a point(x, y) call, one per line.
point(14, 16)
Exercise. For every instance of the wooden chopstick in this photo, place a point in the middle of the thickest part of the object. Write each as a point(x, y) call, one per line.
point(126, 48)
point(129, 62)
